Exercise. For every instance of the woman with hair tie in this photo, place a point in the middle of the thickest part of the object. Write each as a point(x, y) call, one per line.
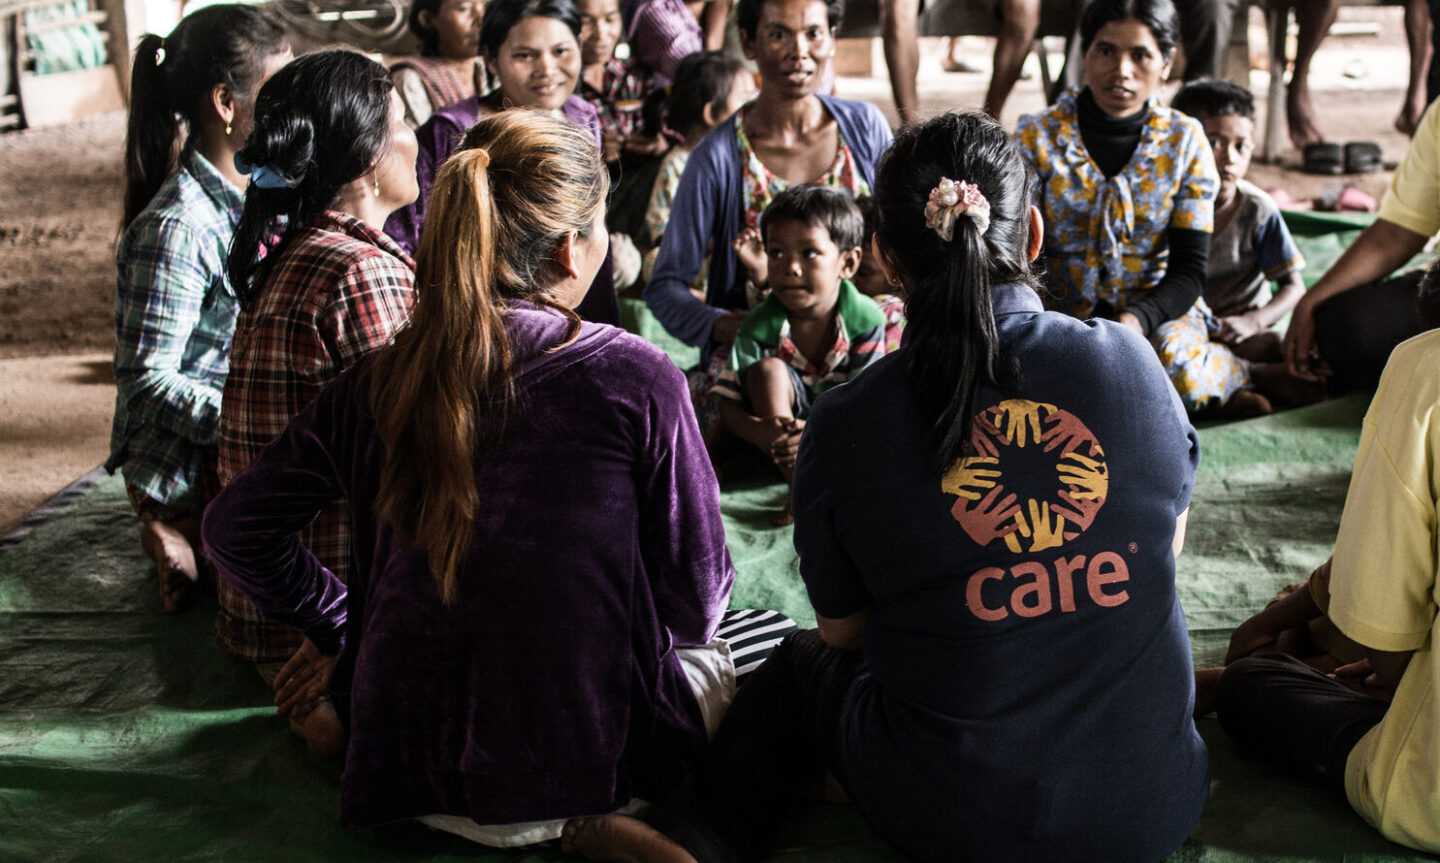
point(174, 307)
point(540, 564)
point(329, 159)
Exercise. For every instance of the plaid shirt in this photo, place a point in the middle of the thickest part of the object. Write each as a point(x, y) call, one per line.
point(859, 341)
point(338, 290)
point(174, 317)
point(619, 99)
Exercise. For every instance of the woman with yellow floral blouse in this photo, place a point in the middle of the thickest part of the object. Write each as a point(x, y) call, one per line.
point(1127, 189)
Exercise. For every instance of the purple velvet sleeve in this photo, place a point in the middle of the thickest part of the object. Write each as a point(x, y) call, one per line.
point(682, 537)
point(250, 529)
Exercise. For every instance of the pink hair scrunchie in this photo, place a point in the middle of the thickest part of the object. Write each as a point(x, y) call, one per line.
point(949, 201)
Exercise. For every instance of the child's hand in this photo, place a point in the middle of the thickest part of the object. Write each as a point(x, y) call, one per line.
point(727, 327)
point(1363, 678)
point(642, 144)
point(1236, 329)
point(785, 447)
point(610, 146)
point(750, 249)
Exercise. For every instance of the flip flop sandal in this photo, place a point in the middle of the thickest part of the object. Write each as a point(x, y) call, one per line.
point(1362, 157)
point(1323, 158)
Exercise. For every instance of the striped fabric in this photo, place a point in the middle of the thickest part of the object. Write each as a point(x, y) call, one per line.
point(174, 317)
point(661, 33)
point(338, 290)
point(752, 635)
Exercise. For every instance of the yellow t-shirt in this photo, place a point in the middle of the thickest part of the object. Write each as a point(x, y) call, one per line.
point(1383, 592)
point(1413, 199)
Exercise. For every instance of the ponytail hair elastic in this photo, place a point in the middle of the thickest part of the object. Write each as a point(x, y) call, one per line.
point(264, 176)
point(950, 200)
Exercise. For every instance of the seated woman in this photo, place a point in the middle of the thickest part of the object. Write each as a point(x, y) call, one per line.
point(532, 50)
point(448, 67)
point(329, 158)
point(1127, 187)
point(993, 575)
point(174, 308)
point(788, 134)
point(1370, 730)
point(540, 561)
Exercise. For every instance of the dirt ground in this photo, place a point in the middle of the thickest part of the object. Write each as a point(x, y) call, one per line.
point(59, 212)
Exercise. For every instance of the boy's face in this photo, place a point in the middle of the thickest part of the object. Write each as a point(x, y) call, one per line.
point(806, 267)
point(1232, 137)
point(599, 29)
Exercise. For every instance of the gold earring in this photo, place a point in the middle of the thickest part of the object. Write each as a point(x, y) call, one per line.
point(377, 185)
point(228, 127)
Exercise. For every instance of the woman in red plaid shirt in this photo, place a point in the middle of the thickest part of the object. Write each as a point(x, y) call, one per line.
point(320, 285)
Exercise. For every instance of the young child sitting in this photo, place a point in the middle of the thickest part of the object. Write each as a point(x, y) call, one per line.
point(1250, 246)
point(871, 281)
point(709, 86)
point(814, 331)
point(448, 68)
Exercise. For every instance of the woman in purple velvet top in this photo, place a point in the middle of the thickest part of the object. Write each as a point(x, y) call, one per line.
point(539, 563)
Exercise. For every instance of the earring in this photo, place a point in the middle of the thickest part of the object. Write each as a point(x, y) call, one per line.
point(377, 185)
point(228, 128)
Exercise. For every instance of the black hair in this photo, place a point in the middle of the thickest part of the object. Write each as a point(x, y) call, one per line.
point(1427, 297)
point(172, 79)
point(428, 36)
point(747, 14)
point(320, 123)
point(1211, 97)
point(1158, 16)
point(702, 78)
point(501, 16)
point(818, 206)
point(952, 345)
point(866, 205)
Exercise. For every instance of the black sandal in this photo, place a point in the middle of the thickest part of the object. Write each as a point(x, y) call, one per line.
point(1323, 158)
point(1362, 157)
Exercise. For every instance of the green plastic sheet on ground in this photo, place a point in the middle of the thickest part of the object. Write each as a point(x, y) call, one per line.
point(126, 734)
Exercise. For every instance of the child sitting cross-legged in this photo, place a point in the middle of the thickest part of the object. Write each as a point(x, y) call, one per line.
point(814, 331)
point(1250, 246)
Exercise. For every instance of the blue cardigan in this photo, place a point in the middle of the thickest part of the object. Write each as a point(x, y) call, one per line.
point(708, 206)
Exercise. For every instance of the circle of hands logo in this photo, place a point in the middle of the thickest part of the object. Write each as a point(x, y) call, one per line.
point(1028, 520)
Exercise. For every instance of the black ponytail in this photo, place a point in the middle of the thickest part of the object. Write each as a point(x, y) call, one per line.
point(952, 348)
point(172, 78)
point(320, 123)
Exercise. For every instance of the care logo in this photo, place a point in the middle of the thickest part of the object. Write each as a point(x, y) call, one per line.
point(1037, 480)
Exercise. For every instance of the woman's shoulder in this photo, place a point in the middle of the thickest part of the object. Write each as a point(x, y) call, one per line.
point(337, 247)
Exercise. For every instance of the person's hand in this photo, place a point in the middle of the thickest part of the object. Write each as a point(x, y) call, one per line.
point(304, 681)
point(784, 448)
point(750, 249)
point(1362, 677)
point(1249, 638)
point(642, 144)
point(727, 327)
point(1237, 328)
point(1130, 321)
point(610, 145)
point(1301, 355)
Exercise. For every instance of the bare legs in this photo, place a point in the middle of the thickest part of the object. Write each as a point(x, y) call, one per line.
point(900, 32)
point(1417, 34)
point(1019, 22)
point(1314, 18)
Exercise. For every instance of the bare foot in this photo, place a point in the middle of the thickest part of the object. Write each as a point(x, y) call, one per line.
point(1280, 384)
point(783, 517)
point(321, 730)
point(1408, 120)
point(1300, 115)
point(1207, 681)
point(1243, 404)
point(620, 838)
point(174, 559)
